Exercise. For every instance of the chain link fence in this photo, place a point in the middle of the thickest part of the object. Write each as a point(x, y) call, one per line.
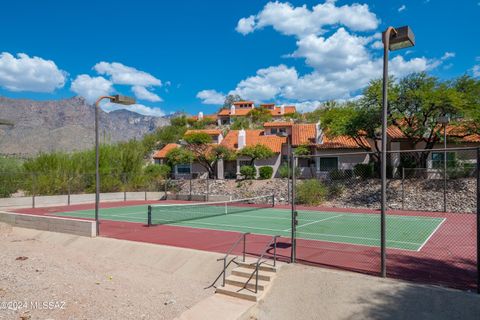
point(431, 218)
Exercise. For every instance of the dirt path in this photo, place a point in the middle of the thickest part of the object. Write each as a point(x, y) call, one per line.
point(58, 276)
point(302, 292)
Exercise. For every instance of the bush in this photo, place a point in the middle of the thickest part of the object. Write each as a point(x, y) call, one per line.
point(283, 171)
point(336, 190)
point(337, 174)
point(364, 170)
point(265, 172)
point(311, 192)
point(248, 172)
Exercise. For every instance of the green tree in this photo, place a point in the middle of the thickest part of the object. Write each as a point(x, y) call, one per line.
point(179, 156)
point(206, 153)
point(256, 152)
point(230, 99)
point(260, 115)
point(240, 123)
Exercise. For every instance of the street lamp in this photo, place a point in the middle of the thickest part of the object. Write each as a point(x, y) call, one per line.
point(393, 39)
point(444, 120)
point(117, 99)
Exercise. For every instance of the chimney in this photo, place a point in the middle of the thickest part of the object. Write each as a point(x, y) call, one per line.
point(242, 139)
point(200, 115)
point(232, 109)
point(318, 133)
point(282, 109)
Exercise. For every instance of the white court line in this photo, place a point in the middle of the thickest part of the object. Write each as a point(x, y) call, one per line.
point(433, 232)
point(354, 237)
point(315, 221)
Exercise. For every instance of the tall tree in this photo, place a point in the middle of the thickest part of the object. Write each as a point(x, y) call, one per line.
point(206, 153)
point(230, 99)
point(256, 152)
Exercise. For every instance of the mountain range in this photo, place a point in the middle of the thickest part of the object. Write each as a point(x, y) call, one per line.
point(65, 125)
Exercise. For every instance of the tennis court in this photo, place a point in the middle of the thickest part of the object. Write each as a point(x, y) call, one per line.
point(403, 232)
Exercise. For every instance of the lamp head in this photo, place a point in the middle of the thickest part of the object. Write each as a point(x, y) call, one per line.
point(401, 38)
point(125, 100)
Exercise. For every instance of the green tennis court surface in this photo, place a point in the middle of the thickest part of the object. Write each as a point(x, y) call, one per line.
point(403, 232)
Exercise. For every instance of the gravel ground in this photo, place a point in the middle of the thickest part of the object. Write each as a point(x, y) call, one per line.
point(302, 292)
point(100, 278)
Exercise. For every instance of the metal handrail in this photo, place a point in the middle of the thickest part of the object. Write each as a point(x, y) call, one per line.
point(225, 258)
point(259, 262)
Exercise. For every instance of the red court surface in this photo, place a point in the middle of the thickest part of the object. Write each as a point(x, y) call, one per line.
point(447, 259)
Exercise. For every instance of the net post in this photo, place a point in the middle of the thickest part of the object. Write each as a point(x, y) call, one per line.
point(149, 214)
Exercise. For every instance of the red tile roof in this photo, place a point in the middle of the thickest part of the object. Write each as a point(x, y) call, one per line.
point(276, 112)
point(212, 132)
point(277, 124)
point(242, 102)
point(288, 110)
point(162, 153)
point(207, 116)
point(254, 137)
point(305, 134)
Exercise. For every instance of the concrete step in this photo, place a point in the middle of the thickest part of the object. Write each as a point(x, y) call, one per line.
point(237, 292)
point(251, 264)
point(246, 272)
point(240, 282)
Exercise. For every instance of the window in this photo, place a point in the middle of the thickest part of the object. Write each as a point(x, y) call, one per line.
point(437, 159)
point(183, 168)
point(274, 130)
point(328, 164)
point(282, 130)
point(244, 163)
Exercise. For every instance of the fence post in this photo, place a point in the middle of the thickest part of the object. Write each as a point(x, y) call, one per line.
point(294, 212)
point(478, 220)
point(124, 180)
point(68, 189)
point(166, 189)
point(208, 196)
point(33, 190)
point(190, 191)
point(403, 188)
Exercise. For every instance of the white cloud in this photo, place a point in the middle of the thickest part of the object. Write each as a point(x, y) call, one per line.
point(91, 88)
point(339, 51)
point(143, 94)
point(211, 97)
point(301, 21)
point(342, 62)
point(246, 25)
point(122, 74)
point(24, 73)
point(402, 7)
point(138, 108)
point(476, 71)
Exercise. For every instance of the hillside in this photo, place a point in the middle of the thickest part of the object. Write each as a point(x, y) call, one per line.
point(65, 125)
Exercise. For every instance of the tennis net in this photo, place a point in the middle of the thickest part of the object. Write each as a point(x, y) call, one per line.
point(178, 212)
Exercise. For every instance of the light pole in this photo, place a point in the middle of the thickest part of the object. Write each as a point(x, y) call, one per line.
point(444, 120)
point(117, 99)
point(289, 156)
point(393, 39)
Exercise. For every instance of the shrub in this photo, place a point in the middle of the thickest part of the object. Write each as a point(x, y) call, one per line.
point(311, 192)
point(283, 171)
point(157, 171)
point(265, 172)
point(337, 174)
point(248, 172)
point(364, 170)
point(336, 190)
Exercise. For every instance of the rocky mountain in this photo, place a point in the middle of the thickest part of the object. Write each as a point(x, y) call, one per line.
point(65, 125)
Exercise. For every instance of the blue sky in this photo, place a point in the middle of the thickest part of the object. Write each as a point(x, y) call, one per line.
point(186, 55)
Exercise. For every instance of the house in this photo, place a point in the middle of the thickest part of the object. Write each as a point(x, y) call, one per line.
point(327, 153)
point(236, 140)
point(243, 108)
point(188, 170)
